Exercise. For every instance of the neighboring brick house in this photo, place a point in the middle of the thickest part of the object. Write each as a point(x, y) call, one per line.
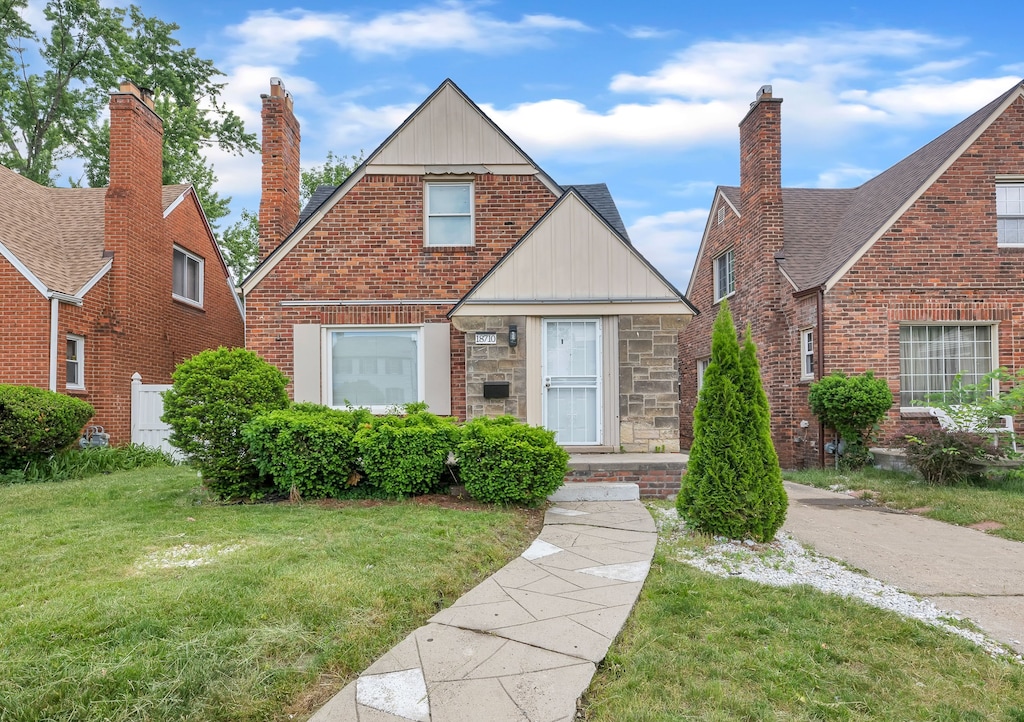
point(449, 268)
point(915, 275)
point(100, 283)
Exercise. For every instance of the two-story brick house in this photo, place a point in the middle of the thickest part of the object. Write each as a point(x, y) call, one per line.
point(915, 275)
point(97, 284)
point(450, 268)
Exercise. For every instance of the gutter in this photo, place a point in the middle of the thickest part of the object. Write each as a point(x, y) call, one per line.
point(55, 299)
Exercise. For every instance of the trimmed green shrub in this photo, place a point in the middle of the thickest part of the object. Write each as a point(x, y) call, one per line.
point(944, 457)
point(82, 463)
point(408, 455)
point(214, 395)
point(308, 449)
point(732, 484)
point(504, 461)
point(36, 423)
point(853, 406)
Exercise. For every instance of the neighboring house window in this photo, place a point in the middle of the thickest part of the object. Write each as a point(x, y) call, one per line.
point(931, 357)
point(188, 277)
point(702, 367)
point(807, 354)
point(449, 214)
point(75, 362)
point(368, 382)
point(725, 280)
point(1010, 213)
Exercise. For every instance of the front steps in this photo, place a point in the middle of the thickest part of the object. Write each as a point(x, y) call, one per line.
point(621, 477)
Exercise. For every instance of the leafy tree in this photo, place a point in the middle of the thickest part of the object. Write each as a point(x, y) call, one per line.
point(732, 485)
point(241, 240)
point(54, 88)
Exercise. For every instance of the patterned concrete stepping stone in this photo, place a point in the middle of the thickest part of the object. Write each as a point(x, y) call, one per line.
point(632, 572)
point(540, 549)
point(403, 694)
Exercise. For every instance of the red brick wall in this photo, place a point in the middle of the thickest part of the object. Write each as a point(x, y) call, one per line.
point(370, 246)
point(25, 330)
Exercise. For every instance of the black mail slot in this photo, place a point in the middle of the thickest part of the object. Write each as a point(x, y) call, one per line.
point(496, 389)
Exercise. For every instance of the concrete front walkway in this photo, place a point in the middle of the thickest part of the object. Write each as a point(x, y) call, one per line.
point(960, 570)
point(525, 643)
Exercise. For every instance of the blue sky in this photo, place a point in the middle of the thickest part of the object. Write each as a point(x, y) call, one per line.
point(642, 95)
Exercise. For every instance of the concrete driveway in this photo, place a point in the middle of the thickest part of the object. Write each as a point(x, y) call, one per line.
point(961, 570)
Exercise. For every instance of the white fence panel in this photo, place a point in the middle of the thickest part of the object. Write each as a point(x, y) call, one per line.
point(147, 408)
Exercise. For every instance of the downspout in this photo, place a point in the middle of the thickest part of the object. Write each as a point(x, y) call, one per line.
point(54, 304)
point(819, 370)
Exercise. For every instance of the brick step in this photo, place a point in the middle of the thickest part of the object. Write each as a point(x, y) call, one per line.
point(655, 475)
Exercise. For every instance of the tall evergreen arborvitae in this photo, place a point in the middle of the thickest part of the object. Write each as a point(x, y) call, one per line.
point(733, 485)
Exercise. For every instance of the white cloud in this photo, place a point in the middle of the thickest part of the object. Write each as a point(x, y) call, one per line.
point(644, 32)
point(844, 176)
point(933, 98)
point(670, 241)
point(283, 36)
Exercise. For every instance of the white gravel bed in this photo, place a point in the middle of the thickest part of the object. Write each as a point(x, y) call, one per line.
point(785, 562)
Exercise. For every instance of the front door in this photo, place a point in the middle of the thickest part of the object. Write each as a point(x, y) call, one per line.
point(572, 380)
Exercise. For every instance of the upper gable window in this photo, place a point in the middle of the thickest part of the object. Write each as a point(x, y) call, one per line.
point(1010, 213)
point(725, 279)
point(188, 277)
point(449, 214)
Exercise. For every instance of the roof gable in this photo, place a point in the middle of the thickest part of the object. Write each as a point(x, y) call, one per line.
point(572, 255)
point(448, 129)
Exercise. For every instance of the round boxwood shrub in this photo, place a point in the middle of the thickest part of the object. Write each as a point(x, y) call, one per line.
point(504, 461)
point(214, 395)
point(36, 423)
point(853, 406)
point(308, 449)
point(408, 455)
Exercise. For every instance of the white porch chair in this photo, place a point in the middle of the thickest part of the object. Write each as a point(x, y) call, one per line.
point(966, 418)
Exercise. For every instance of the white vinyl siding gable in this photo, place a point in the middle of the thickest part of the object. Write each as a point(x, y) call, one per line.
point(1010, 214)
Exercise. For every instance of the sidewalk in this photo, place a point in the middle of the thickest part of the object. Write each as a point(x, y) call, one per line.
point(524, 644)
point(960, 570)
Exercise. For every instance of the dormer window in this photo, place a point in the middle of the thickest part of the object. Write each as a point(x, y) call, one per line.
point(449, 216)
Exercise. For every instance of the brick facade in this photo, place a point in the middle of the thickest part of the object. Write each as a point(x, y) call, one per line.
point(938, 263)
point(129, 320)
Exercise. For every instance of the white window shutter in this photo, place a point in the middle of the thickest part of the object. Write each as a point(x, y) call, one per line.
point(306, 363)
point(437, 368)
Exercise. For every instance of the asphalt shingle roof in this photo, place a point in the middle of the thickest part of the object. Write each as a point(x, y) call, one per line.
point(57, 232)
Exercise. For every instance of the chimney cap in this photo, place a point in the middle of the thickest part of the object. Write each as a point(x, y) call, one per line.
point(144, 94)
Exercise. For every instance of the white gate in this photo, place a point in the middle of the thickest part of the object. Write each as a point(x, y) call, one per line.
point(147, 408)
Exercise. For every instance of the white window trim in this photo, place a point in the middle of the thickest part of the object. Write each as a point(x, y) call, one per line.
point(715, 274)
point(80, 343)
point(202, 275)
point(427, 215)
point(804, 353)
point(1016, 183)
point(926, 410)
point(702, 368)
point(326, 358)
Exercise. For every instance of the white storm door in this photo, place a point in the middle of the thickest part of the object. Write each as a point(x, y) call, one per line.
point(572, 380)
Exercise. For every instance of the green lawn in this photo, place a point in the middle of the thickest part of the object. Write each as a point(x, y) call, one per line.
point(133, 597)
point(700, 647)
point(999, 500)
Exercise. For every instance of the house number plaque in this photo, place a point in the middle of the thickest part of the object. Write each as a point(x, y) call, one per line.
point(486, 339)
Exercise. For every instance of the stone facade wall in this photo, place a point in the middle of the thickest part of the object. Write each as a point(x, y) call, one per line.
point(649, 383)
point(495, 362)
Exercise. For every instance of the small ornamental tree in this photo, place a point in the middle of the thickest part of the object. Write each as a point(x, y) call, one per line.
point(214, 395)
point(733, 486)
point(853, 406)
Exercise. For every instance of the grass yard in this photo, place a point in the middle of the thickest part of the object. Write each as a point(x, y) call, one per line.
point(998, 500)
point(133, 597)
point(699, 647)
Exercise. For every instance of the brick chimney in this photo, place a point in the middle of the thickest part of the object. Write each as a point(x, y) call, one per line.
point(279, 204)
point(133, 208)
point(761, 172)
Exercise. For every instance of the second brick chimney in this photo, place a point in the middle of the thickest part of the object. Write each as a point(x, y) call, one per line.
point(279, 203)
point(761, 171)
